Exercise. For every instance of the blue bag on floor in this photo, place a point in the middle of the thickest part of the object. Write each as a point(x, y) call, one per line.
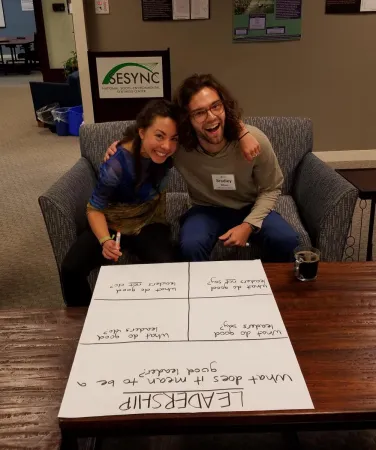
point(75, 119)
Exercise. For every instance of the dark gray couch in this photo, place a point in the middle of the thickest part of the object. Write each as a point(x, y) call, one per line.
point(315, 200)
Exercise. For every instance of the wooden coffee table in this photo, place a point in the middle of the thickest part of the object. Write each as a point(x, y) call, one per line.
point(331, 323)
point(37, 348)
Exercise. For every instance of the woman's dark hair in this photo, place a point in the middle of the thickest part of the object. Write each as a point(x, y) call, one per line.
point(183, 96)
point(144, 119)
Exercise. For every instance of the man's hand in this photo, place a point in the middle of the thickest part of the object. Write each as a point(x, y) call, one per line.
point(237, 236)
point(249, 147)
point(110, 250)
point(111, 151)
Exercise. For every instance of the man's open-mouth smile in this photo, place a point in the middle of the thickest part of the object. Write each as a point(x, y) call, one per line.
point(213, 128)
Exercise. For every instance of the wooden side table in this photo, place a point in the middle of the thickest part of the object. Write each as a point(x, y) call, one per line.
point(365, 181)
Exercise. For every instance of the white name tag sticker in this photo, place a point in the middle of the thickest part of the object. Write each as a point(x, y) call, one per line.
point(224, 182)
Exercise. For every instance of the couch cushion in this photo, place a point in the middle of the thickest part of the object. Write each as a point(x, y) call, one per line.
point(176, 182)
point(177, 205)
point(291, 138)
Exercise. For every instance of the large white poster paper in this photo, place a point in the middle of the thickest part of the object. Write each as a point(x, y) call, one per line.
point(199, 337)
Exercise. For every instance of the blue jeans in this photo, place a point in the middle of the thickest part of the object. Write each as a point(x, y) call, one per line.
point(201, 226)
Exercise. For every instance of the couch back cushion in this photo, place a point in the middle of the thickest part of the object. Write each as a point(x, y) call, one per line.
point(291, 138)
point(96, 138)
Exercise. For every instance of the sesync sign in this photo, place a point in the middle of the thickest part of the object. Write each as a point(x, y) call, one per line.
point(134, 77)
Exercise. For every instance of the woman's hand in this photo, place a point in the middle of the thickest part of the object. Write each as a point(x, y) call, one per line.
point(110, 151)
point(249, 147)
point(110, 250)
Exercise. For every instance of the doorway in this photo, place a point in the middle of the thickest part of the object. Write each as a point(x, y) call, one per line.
point(54, 37)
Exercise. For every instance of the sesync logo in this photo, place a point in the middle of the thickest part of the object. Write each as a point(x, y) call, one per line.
point(136, 77)
point(145, 74)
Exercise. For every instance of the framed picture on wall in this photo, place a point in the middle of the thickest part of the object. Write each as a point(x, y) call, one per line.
point(2, 19)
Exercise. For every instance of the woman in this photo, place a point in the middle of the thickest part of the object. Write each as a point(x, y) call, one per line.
point(129, 198)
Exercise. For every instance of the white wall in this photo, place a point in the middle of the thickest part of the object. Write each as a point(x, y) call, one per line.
point(83, 64)
point(59, 34)
point(2, 21)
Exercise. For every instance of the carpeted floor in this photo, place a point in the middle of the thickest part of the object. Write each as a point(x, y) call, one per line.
point(33, 158)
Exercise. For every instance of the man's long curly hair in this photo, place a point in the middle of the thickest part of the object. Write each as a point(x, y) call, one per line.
point(183, 96)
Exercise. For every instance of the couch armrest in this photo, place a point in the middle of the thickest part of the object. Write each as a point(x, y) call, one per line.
point(64, 207)
point(326, 203)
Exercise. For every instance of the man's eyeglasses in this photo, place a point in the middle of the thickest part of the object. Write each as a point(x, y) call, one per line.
point(201, 115)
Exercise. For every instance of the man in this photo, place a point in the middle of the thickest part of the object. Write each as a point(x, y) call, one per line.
point(232, 200)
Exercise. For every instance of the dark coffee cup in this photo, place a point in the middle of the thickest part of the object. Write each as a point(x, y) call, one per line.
point(306, 263)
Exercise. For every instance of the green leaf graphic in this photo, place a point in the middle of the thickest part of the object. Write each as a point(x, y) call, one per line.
point(112, 72)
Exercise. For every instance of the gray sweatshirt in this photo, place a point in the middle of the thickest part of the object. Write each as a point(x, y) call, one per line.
point(227, 179)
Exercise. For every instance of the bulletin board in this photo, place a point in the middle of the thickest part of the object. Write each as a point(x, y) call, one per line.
point(267, 20)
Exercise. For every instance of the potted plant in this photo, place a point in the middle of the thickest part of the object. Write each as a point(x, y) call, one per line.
point(70, 65)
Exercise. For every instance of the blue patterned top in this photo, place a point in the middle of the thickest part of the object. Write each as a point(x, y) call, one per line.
point(116, 182)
